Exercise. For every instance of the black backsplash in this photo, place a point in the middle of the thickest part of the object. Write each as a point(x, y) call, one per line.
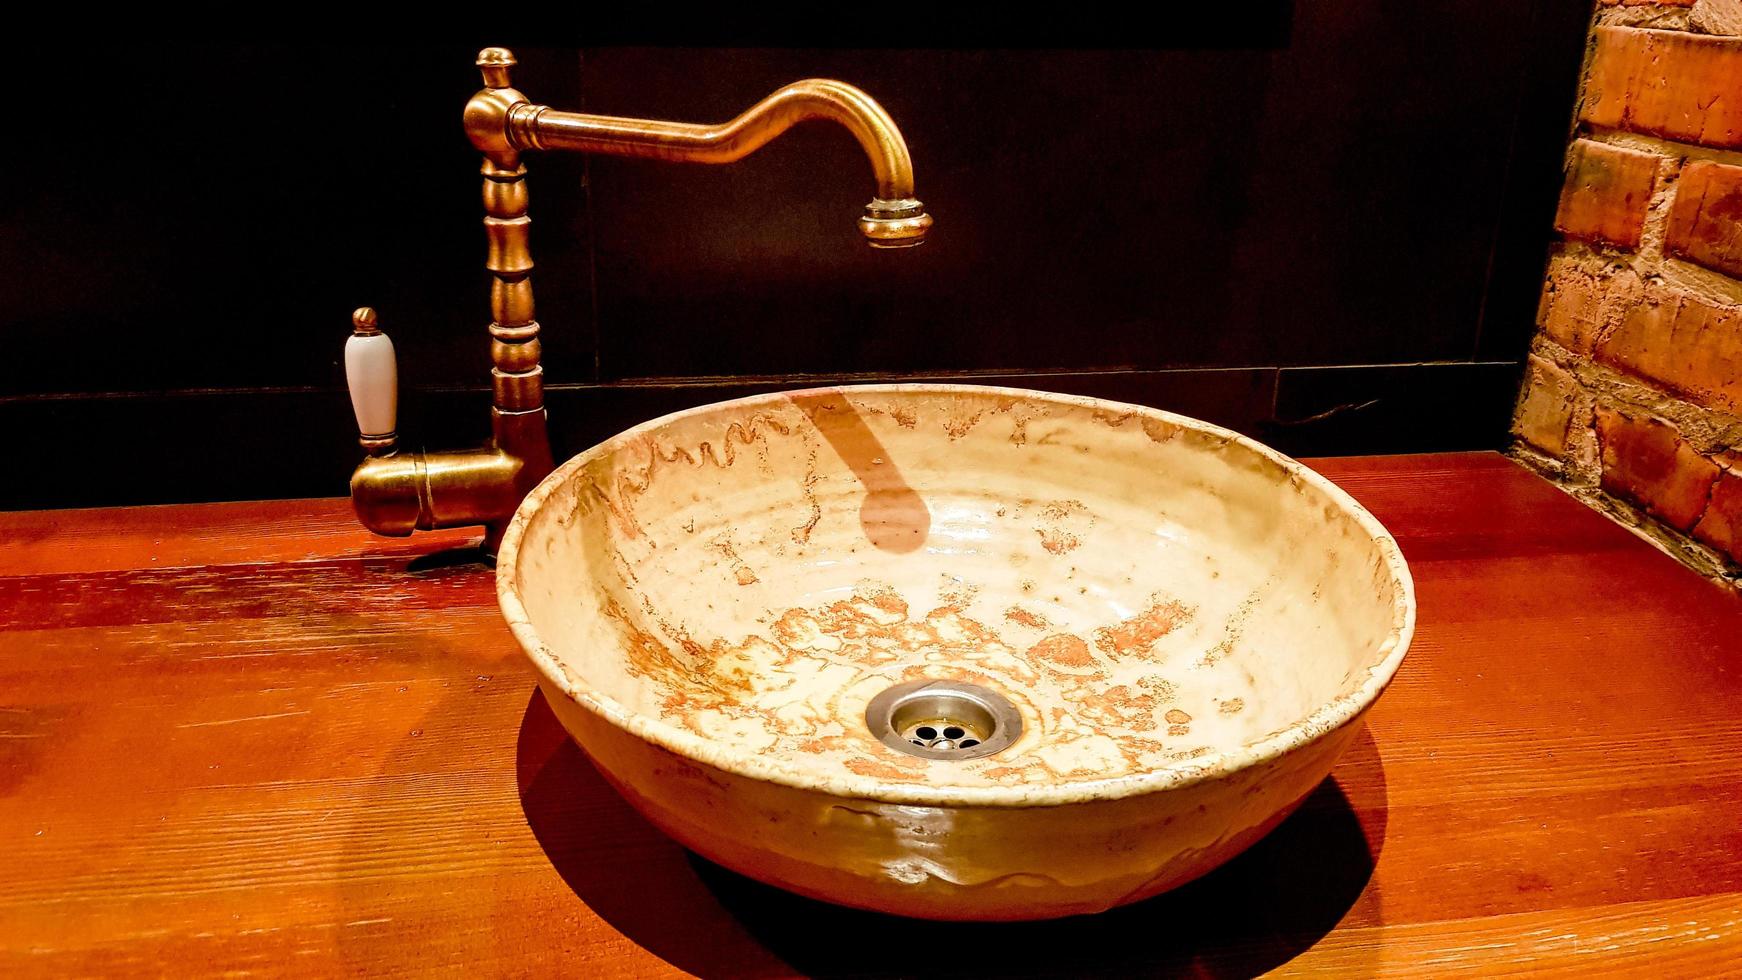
point(1327, 235)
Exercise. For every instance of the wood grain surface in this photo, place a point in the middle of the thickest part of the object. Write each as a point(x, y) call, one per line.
point(250, 738)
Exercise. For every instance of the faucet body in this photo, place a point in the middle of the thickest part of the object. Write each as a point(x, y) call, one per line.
point(394, 493)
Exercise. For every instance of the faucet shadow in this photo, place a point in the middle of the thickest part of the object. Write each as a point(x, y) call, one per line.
point(470, 554)
point(1251, 915)
point(893, 514)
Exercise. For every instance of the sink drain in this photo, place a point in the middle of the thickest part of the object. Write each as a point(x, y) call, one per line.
point(943, 720)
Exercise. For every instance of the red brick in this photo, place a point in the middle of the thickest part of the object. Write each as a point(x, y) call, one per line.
point(1578, 306)
point(1606, 193)
point(1545, 412)
point(1568, 309)
point(1670, 83)
point(1647, 461)
point(1688, 346)
point(1722, 526)
point(1705, 219)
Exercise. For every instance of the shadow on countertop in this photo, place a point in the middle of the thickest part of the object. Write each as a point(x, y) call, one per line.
point(1251, 915)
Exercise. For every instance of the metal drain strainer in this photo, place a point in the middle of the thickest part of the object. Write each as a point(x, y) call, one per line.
point(943, 720)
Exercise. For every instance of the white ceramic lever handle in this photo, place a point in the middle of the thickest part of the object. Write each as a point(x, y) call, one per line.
point(372, 374)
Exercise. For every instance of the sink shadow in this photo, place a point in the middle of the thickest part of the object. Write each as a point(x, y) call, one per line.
point(1251, 915)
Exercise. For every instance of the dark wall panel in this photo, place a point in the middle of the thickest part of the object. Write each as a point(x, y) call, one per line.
point(1332, 200)
point(1252, 221)
point(220, 450)
point(217, 236)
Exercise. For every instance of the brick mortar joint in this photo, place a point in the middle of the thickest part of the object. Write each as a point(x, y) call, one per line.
point(1551, 468)
point(1711, 491)
point(1657, 145)
point(1657, 271)
point(1648, 18)
point(1655, 228)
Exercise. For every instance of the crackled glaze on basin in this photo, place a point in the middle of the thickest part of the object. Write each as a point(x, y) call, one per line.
point(1189, 624)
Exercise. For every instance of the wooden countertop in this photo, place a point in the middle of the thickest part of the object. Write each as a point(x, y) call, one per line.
point(250, 737)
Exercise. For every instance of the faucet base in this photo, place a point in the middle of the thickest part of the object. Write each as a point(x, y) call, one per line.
point(396, 495)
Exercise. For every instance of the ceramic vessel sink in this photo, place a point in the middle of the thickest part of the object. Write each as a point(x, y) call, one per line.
point(951, 651)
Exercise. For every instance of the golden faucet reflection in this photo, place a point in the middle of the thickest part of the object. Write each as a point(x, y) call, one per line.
point(395, 493)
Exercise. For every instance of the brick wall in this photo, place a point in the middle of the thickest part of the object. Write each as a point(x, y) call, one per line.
point(1633, 391)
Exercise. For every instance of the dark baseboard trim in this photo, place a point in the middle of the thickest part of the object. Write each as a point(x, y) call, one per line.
point(176, 447)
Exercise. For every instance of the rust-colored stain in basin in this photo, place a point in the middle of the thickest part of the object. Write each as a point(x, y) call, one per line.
point(800, 685)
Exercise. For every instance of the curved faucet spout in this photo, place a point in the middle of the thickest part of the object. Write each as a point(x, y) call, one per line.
point(728, 142)
point(499, 119)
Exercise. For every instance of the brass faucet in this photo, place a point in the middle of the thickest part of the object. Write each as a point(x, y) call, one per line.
point(396, 493)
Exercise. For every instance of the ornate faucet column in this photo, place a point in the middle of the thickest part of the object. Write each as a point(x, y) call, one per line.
point(517, 379)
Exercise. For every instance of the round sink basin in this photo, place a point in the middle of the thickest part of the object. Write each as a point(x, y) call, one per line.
point(951, 651)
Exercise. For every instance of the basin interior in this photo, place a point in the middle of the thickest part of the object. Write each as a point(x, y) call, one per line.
point(739, 582)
